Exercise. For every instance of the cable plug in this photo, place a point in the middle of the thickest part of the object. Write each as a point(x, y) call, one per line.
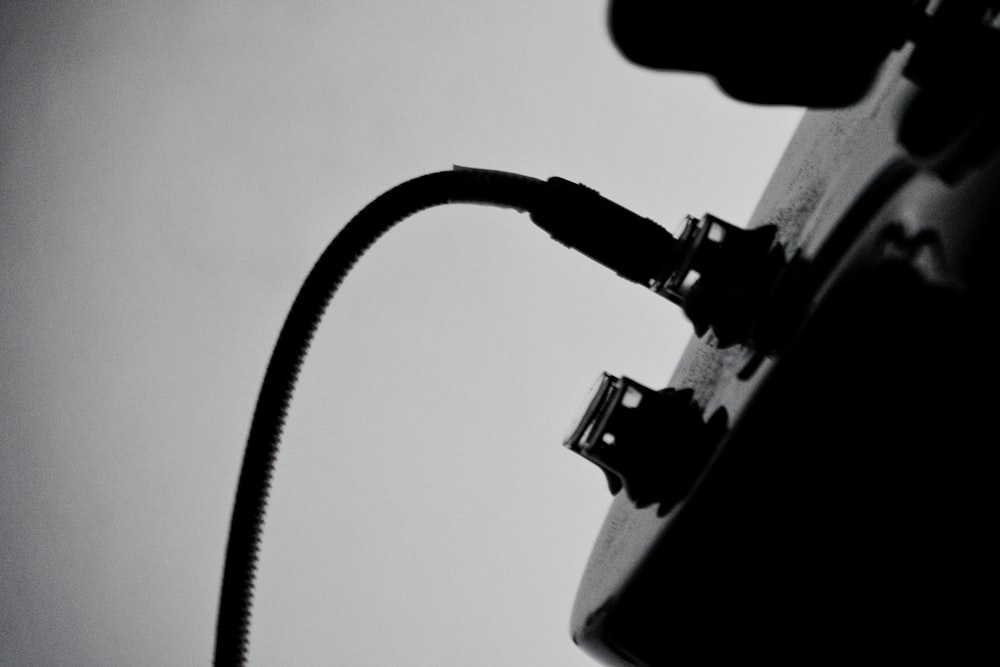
point(634, 247)
point(719, 274)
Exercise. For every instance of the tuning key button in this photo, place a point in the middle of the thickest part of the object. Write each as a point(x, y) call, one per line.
point(653, 444)
point(814, 54)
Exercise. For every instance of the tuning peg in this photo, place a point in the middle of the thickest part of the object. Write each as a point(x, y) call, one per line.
point(816, 54)
point(652, 444)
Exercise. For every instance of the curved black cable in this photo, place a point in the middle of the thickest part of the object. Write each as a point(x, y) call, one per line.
point(462, 185)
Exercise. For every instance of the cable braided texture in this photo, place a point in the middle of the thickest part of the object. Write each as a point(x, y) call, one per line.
point(461, 185)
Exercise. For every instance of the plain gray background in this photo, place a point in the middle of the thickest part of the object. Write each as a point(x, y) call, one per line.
point(169, 173)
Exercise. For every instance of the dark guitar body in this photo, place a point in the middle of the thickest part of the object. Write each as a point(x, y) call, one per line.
point(850, 510)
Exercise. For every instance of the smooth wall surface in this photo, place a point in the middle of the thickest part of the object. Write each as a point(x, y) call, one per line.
point(168, 173)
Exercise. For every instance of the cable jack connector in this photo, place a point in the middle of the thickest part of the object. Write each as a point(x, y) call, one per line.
point(719, 274)
point(722, 276)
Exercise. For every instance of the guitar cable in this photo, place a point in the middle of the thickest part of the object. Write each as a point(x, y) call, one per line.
point(636, 248)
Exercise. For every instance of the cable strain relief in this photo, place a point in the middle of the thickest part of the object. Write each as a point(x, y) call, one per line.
point(582, 219)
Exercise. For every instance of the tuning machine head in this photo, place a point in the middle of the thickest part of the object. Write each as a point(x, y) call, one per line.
point(651, 444)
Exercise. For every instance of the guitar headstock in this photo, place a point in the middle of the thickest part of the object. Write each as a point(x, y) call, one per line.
point(845, 505)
